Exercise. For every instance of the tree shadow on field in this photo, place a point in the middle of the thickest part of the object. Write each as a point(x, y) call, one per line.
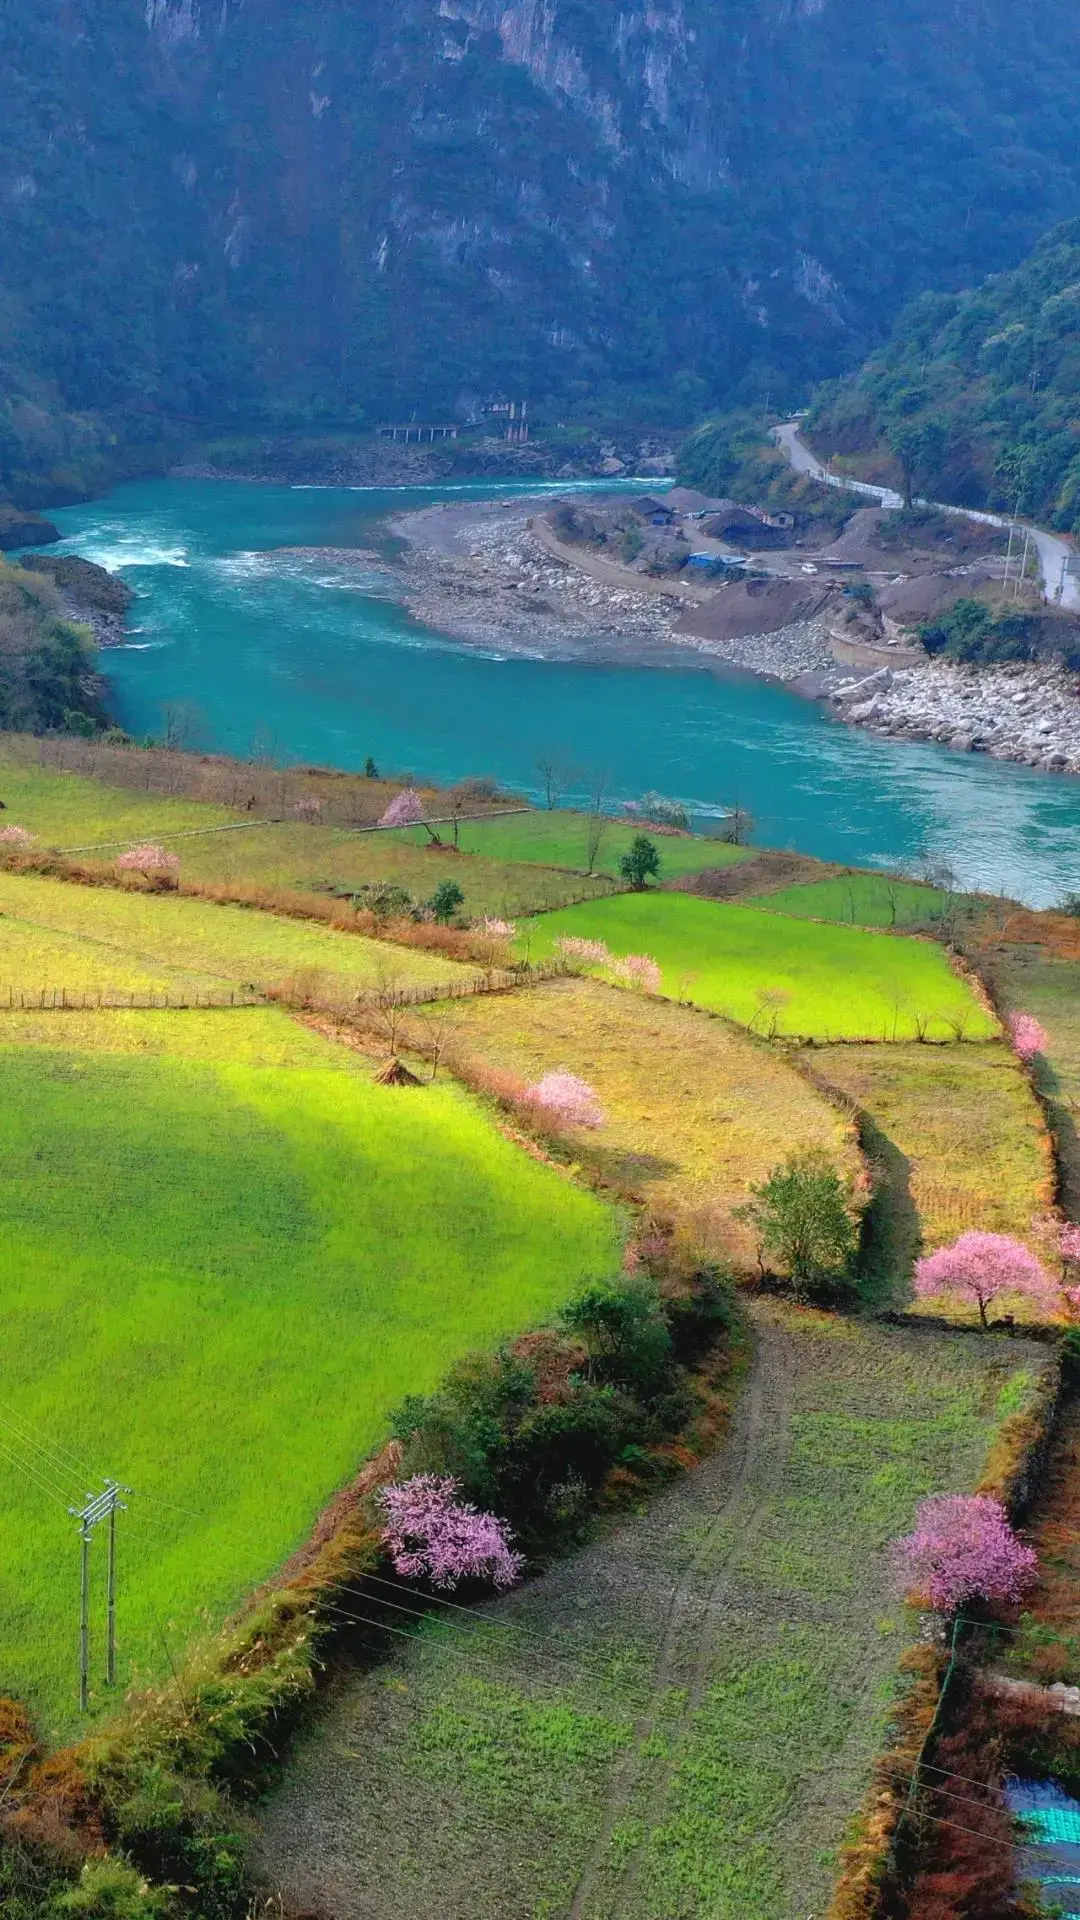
point(632, 1169)
point(1060, 1113)
point(892, 1230)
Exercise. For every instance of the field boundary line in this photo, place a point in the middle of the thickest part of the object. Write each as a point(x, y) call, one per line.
point(250, 826)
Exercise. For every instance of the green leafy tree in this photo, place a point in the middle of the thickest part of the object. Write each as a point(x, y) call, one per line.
point(446, 900)
point(639, 862)
point(802, 1217)
point(920, 446)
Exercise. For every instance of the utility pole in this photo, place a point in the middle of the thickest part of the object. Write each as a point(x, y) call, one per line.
point(1023, 563)
point(1008, 556)
point(98, 1507)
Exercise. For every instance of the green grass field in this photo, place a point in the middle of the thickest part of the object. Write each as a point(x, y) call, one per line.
point(70, 809)
point(864, 900)
point(225, 1255)
point(559, 838)
point(688, 1720)
point(776, 974)
point(110, 937)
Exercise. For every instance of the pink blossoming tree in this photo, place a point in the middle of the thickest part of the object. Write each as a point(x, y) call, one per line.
point(963, 1549)
point(978, 1266)
point(155, 863)
point(406, 809)
point(16, 839)
point(638, 970)
point(432, 1535)
point(574, 951)
point(496, 929)
point(1028, 1036)
point(567, 1099)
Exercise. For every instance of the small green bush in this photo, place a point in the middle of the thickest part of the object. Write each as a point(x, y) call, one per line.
point(111, 1890)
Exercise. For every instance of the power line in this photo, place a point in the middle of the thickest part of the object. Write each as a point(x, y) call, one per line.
point(563, 1662)
point(31, 1474)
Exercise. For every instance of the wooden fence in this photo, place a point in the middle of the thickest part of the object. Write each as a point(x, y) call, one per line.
point(491, 980)
point(94, 1000)
point(176, 1000)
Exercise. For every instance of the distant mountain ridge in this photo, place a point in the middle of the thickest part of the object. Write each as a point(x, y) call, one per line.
point(304, 211)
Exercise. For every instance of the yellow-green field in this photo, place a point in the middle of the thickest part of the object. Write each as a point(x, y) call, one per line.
point(225, 1254)
point(693, 1111)
point(777, 974)
point(120, 938)
point(960, 1141)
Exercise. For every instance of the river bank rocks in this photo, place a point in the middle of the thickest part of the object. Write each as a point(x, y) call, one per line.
point(89, 594)
point(1030, 714)
point(481, 574)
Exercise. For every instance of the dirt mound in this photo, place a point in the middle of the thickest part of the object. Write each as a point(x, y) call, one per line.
point(753, 607)
point(768, 872)
point(932, 594)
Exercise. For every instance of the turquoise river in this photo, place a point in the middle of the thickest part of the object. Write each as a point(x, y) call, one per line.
point(321, 662)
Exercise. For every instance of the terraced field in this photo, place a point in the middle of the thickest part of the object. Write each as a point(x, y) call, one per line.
point(694, 1111)
point(959, 1142)
point(225, 1255)
point(108, 937)
point(678, 1723)
point(561, 838)
point(776, 974)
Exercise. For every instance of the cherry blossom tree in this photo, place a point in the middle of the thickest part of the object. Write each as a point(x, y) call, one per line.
point(496, 929)
point(16, 839)
point(406, 809)
point(963, 1548)
point(574, 951)
point(567, 1099)
point(432, 1535)
point(1028, 1036)
point(155, 863)
point(978, 1266)
point(638, 970)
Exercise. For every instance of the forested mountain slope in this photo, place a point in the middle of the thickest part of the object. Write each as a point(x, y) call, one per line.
point(304, 210)
point(982, 387)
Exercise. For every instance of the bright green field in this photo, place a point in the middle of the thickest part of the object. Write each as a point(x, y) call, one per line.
point(107, 936)
point(860, 899)
point(70, 809)
point(829, 983)
point(225, 1255)
point(559, 839)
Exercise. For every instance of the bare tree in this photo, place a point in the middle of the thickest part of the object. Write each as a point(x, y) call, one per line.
point(555, 777)
point(597, 824)
point(440, 1024)
point(384, 1003)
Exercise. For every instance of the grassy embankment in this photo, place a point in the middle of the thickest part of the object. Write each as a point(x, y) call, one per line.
point(790, 977)
point(694, 1111)
point(693, 1729)
point(226, 1256)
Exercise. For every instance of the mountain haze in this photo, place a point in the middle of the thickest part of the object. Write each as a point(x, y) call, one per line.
point(290, 211)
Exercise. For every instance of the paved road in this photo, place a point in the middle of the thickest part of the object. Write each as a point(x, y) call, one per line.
point(1057, 557)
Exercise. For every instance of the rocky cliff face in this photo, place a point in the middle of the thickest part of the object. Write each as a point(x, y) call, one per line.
point(301, 209)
